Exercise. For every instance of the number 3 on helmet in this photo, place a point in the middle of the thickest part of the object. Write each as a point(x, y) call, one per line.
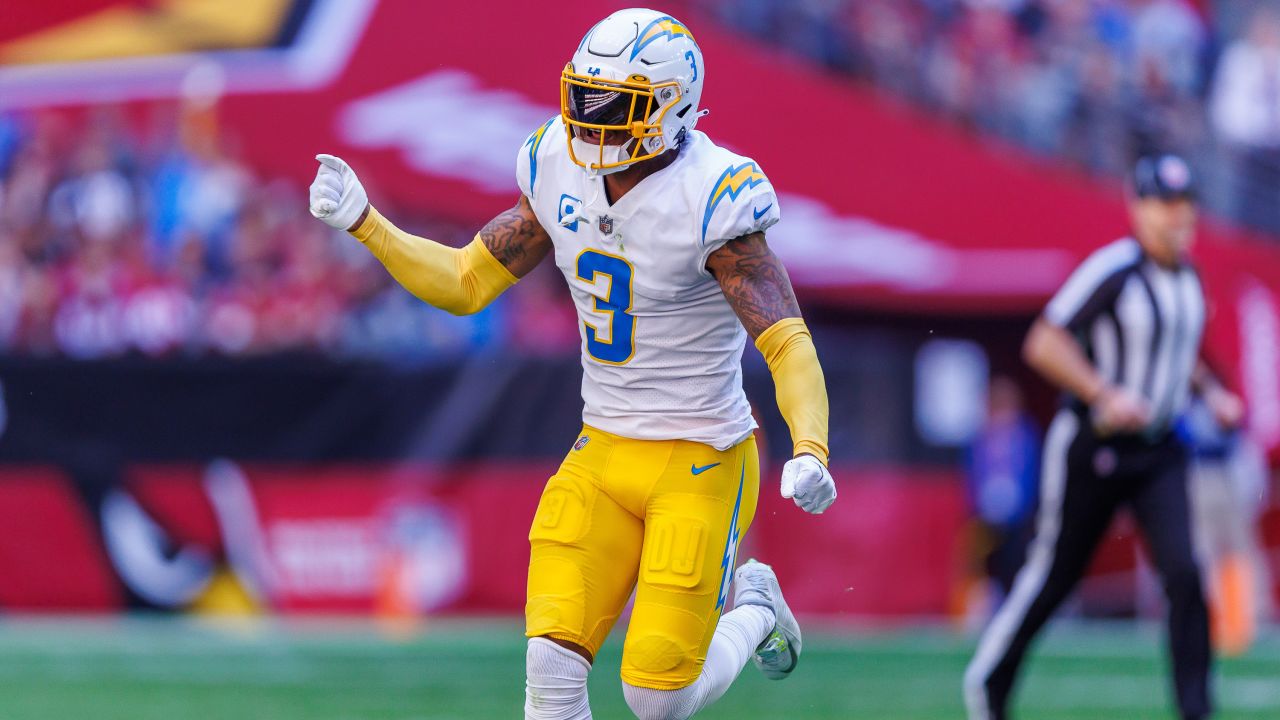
point(631, 91)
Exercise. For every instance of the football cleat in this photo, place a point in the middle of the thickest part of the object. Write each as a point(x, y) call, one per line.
point(779, 653)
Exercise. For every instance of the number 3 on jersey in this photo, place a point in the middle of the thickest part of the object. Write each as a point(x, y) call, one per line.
point(616, 304)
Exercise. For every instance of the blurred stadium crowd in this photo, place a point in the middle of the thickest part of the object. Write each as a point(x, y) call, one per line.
point(117, 240)
point(156, 237)
point(1093, 81)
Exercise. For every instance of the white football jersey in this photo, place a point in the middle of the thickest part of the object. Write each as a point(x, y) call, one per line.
point(661, 347)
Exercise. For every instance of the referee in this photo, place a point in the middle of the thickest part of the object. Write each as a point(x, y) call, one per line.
point(1122, 339)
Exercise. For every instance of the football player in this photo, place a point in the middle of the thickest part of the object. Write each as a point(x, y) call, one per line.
point(660, 235)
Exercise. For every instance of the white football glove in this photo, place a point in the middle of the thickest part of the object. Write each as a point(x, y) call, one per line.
point(337, 197)
point(807, 481)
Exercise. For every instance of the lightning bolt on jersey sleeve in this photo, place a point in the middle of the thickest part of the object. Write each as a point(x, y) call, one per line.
point(739, 201)
point(529, 158)
point(459, 281)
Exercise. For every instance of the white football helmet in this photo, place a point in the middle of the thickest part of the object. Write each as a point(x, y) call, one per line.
point(631, 91)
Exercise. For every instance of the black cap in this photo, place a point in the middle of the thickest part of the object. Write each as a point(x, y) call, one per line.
point(1165, 176)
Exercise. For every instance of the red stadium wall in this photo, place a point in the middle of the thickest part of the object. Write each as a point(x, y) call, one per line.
point(362, 538)
point(51, 554)
point(411, 540)
point(889, 546)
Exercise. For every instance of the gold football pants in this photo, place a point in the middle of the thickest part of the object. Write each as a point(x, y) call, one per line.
point(662, 517)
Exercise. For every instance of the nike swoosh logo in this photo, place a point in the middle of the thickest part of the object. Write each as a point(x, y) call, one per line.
point(760, 213)
point(699, 470)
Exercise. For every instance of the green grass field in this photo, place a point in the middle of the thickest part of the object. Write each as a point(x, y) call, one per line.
point(179, 668)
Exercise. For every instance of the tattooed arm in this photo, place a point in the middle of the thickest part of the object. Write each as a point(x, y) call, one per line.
point(461, 281)
point(757, 287)
point(516, 239)
point(754, 282)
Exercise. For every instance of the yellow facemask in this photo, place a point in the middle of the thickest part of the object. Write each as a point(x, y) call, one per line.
point(634, 106)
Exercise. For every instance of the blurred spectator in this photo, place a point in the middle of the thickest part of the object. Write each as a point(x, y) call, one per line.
point(1098, 114)
point(1002, 482)
point(1228, 490)
point(1169, 35)
point(1246, 115)
point(11, 292)
point(115, 241)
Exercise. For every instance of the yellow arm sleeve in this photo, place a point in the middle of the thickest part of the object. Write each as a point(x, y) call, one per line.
point(459, 281)
point(802, 392)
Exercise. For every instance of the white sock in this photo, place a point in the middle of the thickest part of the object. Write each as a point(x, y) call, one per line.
point(738, 634)
point(555, 686)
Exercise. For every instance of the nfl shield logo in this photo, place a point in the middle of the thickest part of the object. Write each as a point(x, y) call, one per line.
point(606, 225)
point(582, 442)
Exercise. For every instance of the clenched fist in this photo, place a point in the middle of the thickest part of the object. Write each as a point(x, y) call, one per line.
point(807, 481)
point(337, 197)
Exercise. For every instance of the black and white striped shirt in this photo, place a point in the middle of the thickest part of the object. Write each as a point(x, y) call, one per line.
point(1140, 324)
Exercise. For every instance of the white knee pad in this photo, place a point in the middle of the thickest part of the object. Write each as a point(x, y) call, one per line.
point(736, 637)
point(650, 704)
point(555, 685)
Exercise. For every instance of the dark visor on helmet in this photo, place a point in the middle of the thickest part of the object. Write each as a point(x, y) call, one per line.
point(600, 107)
